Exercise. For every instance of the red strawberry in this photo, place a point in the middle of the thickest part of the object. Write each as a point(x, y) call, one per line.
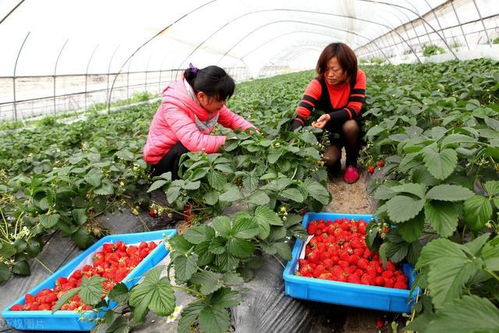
point(152, 213)
point(380, 163)
point(17, 307)
point(370, 169)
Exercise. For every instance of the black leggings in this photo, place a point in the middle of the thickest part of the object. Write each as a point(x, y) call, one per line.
point(170, 162)
point(348, 135)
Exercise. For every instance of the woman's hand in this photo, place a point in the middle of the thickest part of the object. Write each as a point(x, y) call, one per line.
point(321, 122)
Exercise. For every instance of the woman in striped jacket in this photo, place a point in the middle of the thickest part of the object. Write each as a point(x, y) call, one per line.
point(335, 98)
point(189, 111)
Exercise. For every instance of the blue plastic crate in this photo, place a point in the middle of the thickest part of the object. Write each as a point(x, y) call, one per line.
point(343, 293)
point(70, 320)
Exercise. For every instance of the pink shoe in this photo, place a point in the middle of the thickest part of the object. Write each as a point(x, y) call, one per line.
point(351, 175)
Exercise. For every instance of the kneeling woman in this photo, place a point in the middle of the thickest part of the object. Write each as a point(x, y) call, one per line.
point(335, 98)
point(189, 111)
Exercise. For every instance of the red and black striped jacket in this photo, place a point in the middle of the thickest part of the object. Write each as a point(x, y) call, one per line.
point(342, 102)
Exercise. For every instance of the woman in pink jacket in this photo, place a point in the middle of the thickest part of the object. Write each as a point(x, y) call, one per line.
point(189, 111)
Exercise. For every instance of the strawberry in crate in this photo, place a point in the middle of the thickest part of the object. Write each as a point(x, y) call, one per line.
point(336, 250)
point(113, 262)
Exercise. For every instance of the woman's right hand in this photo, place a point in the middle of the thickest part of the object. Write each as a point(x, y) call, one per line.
point(322, 121)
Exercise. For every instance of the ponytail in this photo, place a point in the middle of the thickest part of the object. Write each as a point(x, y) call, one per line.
point(211, 80)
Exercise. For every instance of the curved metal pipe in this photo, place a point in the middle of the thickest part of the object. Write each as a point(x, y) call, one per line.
point(420, 17)
point(55, 71)
point(14, 75)
point(147, 42)
point(295, 21)
point(277, 37)
point(299, 11)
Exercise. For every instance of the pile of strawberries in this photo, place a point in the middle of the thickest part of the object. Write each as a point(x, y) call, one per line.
point(114, 263)
point(338, 252)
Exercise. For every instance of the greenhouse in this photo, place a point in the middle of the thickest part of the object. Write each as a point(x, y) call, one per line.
point(249, 166)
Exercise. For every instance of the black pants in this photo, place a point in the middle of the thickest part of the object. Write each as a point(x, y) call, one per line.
point(337, 138)
point(170, 162)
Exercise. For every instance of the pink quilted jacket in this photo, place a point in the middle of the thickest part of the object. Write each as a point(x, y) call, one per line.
point(181, 118)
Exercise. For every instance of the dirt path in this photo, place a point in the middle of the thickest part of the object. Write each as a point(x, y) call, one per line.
point(349, 198)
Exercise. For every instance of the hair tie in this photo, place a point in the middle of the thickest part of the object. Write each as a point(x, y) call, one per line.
point(193, 69)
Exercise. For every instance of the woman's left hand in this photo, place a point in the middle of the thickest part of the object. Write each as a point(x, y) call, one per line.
point(321, 122)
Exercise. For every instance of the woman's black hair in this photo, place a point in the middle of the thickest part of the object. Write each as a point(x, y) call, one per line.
point(211, 80)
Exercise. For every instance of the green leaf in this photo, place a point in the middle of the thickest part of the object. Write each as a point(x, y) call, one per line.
point(119, 325)
point(264, 214)
point(189, 316)
point(79, 215)
point(185, 266)
point(468, 314)
point(154, 293)
point(156, 185)
point(64, 298)
point(412, 229)
point(384, 192)
point(402, 208)
point(226, 298)
point(7, 250)
point(217, 245)
point(211, 198)
point(21, 268)
point(91, 289)
point(199, 234)
point(274, 156)
point(49, 221)
point(245, 227)
point(214, 319)
point(119, 293)
point(106, 188)
point(189, 185)
point(222, 225)
point(457, 139)
point(318, 192)
point(217, 180)
point(490, 254)
point(205, 257)
point(93, 177)
point(226, 262)
point(250, 183)
point(259, 198)
point(240, 248)
point(449, 270)
point(82, 238)
point(292, 194)
point(411, 188)
point(208, 281)
point(4, 272)
point(492, 187)
point(477, 211)
point(180, 244)
point(476, 244)
point(283, 249)
point(442, 216)
point(395, 250)
point(33, 248)
point(308, 137)
point(232, 194)
point(447, 192)
point(172, 194)
point(232, 279)
point(440, 164)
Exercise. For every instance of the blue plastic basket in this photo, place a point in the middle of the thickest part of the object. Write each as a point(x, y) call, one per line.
point(70, 320)
point(343, 293)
